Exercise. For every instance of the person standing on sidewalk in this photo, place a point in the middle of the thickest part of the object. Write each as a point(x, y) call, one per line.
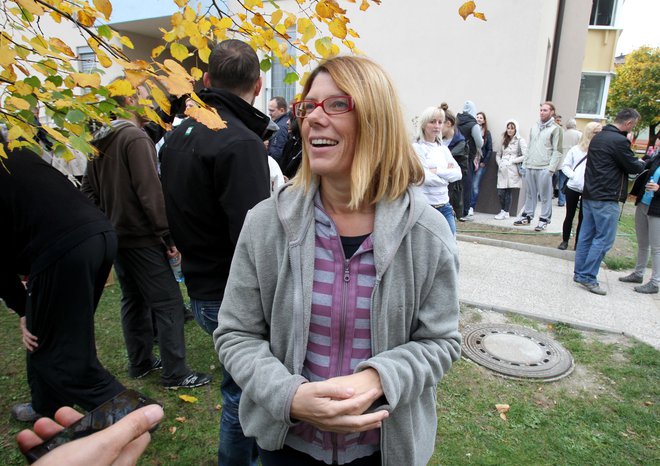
point(543, 159)
point(570, 138)
point(573, 169)
point(210, 180)
point(647, 227)
point(471, 131)
point(514, 149)
point(481, 164)
point(609, 162)
point(123, 181)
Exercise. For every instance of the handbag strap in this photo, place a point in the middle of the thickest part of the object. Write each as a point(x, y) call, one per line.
point(581, 160)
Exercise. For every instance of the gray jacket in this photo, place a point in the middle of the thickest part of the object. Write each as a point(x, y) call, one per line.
point(264, 318)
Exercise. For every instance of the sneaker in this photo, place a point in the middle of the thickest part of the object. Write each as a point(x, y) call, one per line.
point(24, 412)
point(563, 245)
point(502, 215)
point(470, 212)
point(649, 288)
point(157, 364)
point(632, 278)
point(194, 379)
point(541, 226)
point(594, 288)
point(523, 221)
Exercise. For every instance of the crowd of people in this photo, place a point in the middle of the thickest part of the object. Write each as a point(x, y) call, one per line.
point(331, 300)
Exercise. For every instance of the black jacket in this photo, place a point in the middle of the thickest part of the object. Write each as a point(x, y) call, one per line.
point(638, 188)
point(210, 180)
point(610, 160)
point(465, 123)
point(43, 216)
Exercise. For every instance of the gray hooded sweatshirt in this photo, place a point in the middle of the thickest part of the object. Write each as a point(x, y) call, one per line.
point(263, 324)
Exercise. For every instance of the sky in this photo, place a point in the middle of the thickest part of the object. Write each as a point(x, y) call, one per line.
point(640, 20)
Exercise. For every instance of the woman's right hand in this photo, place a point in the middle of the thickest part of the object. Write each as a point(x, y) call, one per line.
point(333, 408)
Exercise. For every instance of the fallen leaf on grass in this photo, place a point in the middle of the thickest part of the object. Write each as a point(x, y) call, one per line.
point(502, 409)
point(180, 419)
point(188, 398)
point(648, 403)
point(218, 407)
point(173, 430)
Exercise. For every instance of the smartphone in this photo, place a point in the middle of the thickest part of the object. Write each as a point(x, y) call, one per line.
point(98, 419)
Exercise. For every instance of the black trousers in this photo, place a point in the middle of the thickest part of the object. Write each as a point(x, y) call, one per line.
point(148, 286)
point(288, 456)
point(572, 204)
point(64, 370)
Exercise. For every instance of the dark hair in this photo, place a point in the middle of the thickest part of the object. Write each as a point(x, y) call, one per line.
point(485, 126)
point(449, 115)
point(280, 102)
point(626, 114)
point(233, 66)
point(506, 139)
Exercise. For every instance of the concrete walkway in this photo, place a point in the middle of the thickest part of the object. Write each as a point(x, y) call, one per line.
point(538, 282)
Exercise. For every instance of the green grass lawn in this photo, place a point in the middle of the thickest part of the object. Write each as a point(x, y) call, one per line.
point(606, 412)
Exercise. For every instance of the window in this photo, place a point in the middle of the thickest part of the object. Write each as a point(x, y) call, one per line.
point(593, 94)
point(603, 12)
point(86, 59)
point(277, 74)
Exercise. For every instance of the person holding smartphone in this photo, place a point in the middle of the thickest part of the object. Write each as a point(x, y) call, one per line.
point(121, 443)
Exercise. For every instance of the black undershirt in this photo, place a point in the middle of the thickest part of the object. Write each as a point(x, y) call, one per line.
point(352, 244)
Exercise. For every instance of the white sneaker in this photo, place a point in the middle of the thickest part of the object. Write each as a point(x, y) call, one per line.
point(470, 212)
point(502, 215)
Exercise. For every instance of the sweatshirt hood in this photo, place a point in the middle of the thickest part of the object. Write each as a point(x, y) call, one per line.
point(102, 137)
point(393, 221)
point(470, 108)
point(515, 123)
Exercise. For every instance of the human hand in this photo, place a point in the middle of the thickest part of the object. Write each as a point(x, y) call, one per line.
point(333, 408)
point(172, 252)
point(433, 170)
point(361, 382)
point(29, 340)
point(482, 165)
point(120, 444)
point(651, 186)
point(451, 165)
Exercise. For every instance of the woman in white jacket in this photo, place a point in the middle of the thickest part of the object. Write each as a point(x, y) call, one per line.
point(440, 168)
point(574, 165)
point(509, 158)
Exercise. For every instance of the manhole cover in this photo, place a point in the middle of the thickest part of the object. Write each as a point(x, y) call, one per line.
point(517, 352)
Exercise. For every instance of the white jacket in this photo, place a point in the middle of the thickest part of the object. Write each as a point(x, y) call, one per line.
point(440, 169)
point(574, 174)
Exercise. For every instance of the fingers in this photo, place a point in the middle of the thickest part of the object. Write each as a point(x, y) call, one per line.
point(67, 416)
point(132, 426)
point(27, 439)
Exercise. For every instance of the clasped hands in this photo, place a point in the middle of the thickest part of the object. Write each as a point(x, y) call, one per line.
point(339, 404)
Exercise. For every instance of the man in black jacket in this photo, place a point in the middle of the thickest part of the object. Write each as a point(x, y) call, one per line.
point(65, 245)
point(210, 180)
point(609, 162)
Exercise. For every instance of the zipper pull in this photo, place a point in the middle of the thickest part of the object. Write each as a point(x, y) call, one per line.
point(347, 275)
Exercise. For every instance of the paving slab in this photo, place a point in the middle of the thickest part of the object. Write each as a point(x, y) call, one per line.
point(502, 277)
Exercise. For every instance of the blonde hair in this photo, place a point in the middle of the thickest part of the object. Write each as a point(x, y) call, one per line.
point(430, 113)
point(384, 163)
point(588, 134)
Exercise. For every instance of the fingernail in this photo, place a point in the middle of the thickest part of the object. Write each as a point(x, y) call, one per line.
point(153, 413)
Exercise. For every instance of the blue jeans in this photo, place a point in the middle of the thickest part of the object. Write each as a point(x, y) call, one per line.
point(476, 185)
point(597, 235)
point(234, 447)
point(206, 313)
point(448, 212)
point(561, 182)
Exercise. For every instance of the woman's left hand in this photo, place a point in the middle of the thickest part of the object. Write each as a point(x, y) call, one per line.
point(29, 340)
